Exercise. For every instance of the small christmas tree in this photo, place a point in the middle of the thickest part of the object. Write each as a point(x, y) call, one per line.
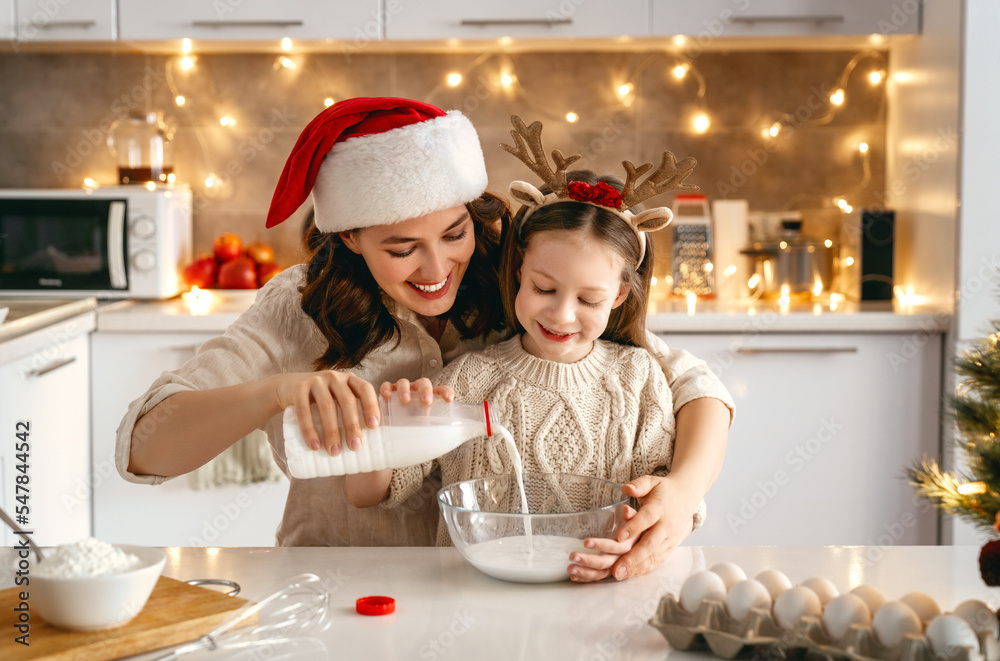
point(972, 493)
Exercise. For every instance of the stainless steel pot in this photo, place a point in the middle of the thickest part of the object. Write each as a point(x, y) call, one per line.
point(792, 265)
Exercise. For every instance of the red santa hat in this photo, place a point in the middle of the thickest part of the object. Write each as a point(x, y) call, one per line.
point(376, 161)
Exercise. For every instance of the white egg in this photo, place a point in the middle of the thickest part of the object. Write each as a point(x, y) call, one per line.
point(948, 634)
point(730, 573)
point(699, 587)
point(923, 605)
point(873, 596)
point(795, 603)
point(823, 588)
point(745, 595)
point(843, 611)
point(774, 581)
point(893, 621)
point(980, 617)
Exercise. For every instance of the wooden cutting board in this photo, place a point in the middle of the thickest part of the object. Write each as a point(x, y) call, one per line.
point(175, 613)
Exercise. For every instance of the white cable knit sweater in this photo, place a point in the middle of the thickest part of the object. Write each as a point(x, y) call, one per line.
point(608, 415)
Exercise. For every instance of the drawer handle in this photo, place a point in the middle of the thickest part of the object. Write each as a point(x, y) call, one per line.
point(797, 350)
point(51, 367)
point(488, 22)
point(247, 24)
point(56, 25)
point(818, 20)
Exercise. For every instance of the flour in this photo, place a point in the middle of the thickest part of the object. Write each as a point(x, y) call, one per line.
point(88, 557)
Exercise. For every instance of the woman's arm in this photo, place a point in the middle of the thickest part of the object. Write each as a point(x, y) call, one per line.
point(702, 429)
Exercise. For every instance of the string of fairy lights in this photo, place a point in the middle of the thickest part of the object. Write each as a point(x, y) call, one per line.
point(497, 69)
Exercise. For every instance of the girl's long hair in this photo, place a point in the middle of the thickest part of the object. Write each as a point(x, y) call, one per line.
point(345, 302)
point(627, 322)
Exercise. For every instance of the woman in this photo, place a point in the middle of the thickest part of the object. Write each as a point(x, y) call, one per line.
point(402, 280)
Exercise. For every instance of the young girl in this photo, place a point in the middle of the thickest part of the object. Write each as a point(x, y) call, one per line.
point(575, 386)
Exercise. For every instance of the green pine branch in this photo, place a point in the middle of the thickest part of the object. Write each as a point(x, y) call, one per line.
point(941, 489)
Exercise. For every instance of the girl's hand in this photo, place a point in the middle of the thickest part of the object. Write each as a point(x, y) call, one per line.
point(664, 520)
point(423, 387)
point(588, 567)
point(331, 391)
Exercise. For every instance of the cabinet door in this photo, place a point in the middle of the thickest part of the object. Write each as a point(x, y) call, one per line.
point(824, 427)
point(169, 514)
point(47, 390)
point(785, 18)
point(445, 19)
point(59, 20)
point(250, 19)
point(7, 20)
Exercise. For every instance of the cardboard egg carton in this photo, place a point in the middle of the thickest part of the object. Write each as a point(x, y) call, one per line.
point(726, 637)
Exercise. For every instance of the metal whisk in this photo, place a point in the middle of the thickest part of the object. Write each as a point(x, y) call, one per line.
point(301, 607)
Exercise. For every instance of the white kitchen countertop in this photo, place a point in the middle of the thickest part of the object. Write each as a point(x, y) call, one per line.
point(447, 609)
point(665, 316)
point(30, 314)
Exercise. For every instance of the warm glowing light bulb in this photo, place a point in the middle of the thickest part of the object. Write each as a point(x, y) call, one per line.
point(730, 270)
point(701, 122)
point(708, 267)
point(972, 488)
point(837, 98)
point(848, 209)
point(841, 202)
point(876, 77)
point(185, 45)
point(226, 120)
point(180, 100)
point(783, 245)
point(288, 63)
point(171, 178)
point(328, 101)
point(862, 147)
point(572, 117)
point(210, 181)
point(775, 129)
point(680, 40)
point(187, 63)
point(753, 281)
point(849, 261)
point(286, 44)
point(828, 243)
point(454, 79)
point(681, 70)
point(625, 89)
point(506, 79)
point(653, 281)
point(88, 182)
point(150, 185)
point(692, 300)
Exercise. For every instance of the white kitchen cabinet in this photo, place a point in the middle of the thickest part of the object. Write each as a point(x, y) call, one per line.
point(169, 514)
point(785, 18)
point(7, 20)
point(43, 380)
point(446, 19)
point(61, 20)
point(825, 425)
point(250, 20)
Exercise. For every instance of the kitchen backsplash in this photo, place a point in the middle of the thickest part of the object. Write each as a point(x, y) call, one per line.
point(57, 108)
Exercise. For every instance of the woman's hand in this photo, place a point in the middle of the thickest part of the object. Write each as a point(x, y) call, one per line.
point(329, 389)
point(423, 387)
point(589, 567)
point(664, 520)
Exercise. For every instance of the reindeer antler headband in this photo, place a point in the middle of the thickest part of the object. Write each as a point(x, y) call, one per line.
point(669, 176)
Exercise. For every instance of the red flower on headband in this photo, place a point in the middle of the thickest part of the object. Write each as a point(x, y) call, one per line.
point(601, 194)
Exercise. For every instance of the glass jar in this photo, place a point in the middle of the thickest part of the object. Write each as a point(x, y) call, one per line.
point(141, 143)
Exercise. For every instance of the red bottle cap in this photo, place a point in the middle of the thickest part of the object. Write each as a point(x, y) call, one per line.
point(376, 605)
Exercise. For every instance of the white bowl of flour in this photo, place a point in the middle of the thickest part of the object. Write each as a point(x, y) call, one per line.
point(91, 585)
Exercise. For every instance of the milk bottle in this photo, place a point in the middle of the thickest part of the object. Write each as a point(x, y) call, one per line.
point(408, 434)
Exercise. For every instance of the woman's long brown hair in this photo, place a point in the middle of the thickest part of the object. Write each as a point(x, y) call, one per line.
point(345, 302)
point(627, 323)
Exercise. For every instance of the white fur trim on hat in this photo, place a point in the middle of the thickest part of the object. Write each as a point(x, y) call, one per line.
point(404, 173)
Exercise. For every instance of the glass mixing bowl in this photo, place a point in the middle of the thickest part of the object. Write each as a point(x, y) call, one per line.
point(489, 529)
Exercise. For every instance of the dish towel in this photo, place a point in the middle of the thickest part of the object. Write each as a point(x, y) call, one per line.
point(247, 461)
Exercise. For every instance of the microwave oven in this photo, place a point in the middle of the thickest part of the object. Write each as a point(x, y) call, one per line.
point(114, 242)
